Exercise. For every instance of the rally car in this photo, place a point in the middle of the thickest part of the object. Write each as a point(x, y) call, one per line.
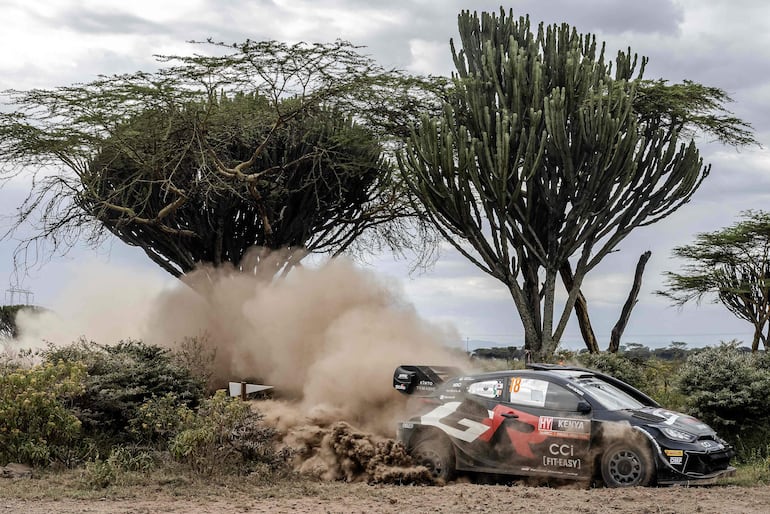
point(554, 421)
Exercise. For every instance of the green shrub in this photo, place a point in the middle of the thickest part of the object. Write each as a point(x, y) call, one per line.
point(158, 420)
point(617, 366)
point(727, 388)
point(36, 426)
point(99, 474)
point(662, 380)
point(120, 379)
point(225, 435)
point(118, 468)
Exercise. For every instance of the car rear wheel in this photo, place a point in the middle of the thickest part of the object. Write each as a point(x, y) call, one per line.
point(436, 455)
point(626, 465)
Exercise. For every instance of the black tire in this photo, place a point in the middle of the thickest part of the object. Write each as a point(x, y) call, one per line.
point(627, 464)
point(436, 454)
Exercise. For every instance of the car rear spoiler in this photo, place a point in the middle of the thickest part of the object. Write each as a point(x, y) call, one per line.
point(421, 380)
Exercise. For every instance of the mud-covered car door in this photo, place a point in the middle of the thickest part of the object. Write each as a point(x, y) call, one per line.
point(465, 416)
point(542, 427)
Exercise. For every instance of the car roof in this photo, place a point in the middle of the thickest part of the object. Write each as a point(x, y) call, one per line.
point(561, 374)
point(535, 370)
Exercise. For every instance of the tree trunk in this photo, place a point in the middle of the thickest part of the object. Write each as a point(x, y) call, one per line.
point(581, 310)
point(532, 332)
point(755, 340)
point(531, 290)
point(548, 345)
point(625, 314)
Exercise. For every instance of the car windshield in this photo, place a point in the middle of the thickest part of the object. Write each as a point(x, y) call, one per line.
point(609, 396)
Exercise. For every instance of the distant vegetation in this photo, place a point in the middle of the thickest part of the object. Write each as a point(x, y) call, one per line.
point(676, 351)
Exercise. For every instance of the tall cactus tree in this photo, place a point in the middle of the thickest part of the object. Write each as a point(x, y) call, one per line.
point(540, 157)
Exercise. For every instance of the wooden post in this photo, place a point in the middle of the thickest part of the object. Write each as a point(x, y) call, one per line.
point(243, 391)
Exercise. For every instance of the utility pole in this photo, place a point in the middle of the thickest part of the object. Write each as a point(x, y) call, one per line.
point(14, 295)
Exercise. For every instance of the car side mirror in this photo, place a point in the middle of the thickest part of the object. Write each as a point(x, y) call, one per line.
point(583, 407)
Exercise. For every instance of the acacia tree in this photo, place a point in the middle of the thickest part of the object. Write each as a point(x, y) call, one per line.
point(733, 264)
point(8, 329)
point(262, 144)
point(539, 156)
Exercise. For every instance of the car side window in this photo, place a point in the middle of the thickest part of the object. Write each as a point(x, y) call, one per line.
point(541, 393)
point(487, 388)
point(528, 391)
point(562, 399)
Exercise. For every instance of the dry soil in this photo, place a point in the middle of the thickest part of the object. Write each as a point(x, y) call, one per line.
point(456, 497)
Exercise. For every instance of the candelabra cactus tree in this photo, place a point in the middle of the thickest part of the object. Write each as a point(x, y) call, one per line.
point(540, 161)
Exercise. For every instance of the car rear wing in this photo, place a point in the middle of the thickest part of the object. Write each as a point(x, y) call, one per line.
point(421, 380)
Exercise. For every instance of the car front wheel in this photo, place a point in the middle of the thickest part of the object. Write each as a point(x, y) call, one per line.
point(437, 456)
point(627, 465)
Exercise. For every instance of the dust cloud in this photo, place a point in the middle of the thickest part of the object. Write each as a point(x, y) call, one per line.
point(99, 302)
point(328, 338)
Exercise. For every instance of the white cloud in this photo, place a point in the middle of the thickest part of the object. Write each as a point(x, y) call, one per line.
point(428, 57)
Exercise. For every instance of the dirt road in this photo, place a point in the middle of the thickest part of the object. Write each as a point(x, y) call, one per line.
point(460, 497)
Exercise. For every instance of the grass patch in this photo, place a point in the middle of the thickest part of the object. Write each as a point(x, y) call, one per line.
point(753, 473)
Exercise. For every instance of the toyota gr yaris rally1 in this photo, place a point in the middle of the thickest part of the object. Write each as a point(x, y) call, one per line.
point(554, 421)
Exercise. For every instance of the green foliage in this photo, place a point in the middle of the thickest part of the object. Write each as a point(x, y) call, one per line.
point(661, 377)
point(120, 379)
point(320, 158)
point(690, 108)
point(36, 425)
point(617, 366)
point(137, 404)
point(159, 419)
point(117, 468)
point(225, 434)
point(733, 264)
point(265, 143)
point(727, 388)
point(753, 468)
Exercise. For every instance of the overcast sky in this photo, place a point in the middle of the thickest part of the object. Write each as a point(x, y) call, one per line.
point(716, 42)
